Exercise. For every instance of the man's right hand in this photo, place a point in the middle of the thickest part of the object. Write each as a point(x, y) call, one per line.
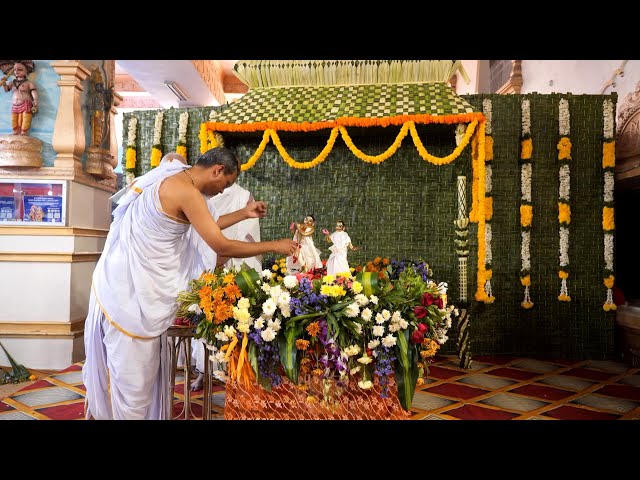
point(285, 246)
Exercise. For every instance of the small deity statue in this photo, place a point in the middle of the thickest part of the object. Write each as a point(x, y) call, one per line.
point(337, 262)
point(25, 94)
point(307, 256)
point(100, 101)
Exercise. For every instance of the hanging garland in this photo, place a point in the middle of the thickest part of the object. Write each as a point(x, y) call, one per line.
point(130, 154)
point(564, 194)
point(156, 150)
point(526, 206)
point(608, 225)
point(477, 155)
point(488, 199)
point(183, 120)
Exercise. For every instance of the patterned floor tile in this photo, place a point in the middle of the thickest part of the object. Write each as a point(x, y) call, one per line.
point(72, 411)
point(566, 382)
point(513, 402)
point(36, 385)
point(46, 396)
point(633, 380)
point(426, 401)
point(474, 366)
point(455, 390)
point(587, 373)
point(540, 391)
point(218, 399)
point(536, 365)
point(70, 378)
point(474, 412)
point(16, 415)
point(443, 373)
point(620, 391)
point(602, 402)
point(486, 381)
point(493, 360)
point(513, 373)
point(4, 407)
point(567, 412)
point(432, 416)
point(540, 417)
point(608, 366)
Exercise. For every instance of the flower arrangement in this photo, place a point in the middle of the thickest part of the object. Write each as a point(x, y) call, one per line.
point(130, 154)
point(322, 332)
point(488, 199)
point(564, 189)
point(608, 225)
point(526, 207)
point(183, 120)
point(156, 149)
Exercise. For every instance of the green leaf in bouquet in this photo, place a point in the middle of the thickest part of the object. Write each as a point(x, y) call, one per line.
point(406, 371)
point(247, 280)
point(288, 351)
point(369, 281)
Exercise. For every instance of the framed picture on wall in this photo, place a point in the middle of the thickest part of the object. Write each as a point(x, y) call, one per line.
point(36, 202)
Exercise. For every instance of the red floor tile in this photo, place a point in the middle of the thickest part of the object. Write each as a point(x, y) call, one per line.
point(513, 373)
point(572, 413)
point(539, 391)
point(72, 368)
point(196, 409)
point(620, 391)
point(473, 412)
point(72, 411)
point(455, 390)
point(558, 361)
point(4, 407)
point(493, 359)
point(442, 373)
point(36, 385)
point(589, 374)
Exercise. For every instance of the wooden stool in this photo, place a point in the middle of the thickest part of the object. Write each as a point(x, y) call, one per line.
point(181, 335)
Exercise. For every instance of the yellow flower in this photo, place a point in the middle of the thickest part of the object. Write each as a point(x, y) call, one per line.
point(488, 208)
point(564, 212)
point(608, 282)
point(527, 305)
point(607, 219)
point(32, 377)
point(302, 344)
point(488, 148)
point(526, 281)
point(609, 154)
point(526, 215)
point(562, 274)
point(356, 287)
point(274, 267)
point(564, 148)
point(526, 149)
point(564, 298)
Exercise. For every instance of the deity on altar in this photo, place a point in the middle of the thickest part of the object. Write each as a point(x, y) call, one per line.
point(306, 256)
point(340, 240)
point(25, 94)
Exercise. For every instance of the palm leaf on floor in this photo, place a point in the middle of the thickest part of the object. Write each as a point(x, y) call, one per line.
point(18, 373)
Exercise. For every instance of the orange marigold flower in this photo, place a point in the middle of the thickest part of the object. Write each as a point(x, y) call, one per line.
point(317, 372)
point(228, 278)
point(303, 387)
point(385, 261)
point(377, 260)
point(232, 291)
point(218, 293)
point(302, 344)
point(208, 278)
point(205, 291)
point(304, 361)
point(313, 329)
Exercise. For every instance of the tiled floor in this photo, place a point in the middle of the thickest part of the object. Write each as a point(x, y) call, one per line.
point(494, 388)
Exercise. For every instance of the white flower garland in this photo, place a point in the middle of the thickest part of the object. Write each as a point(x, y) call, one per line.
point(488, 197)
point(183, 120)
point(526, 207)
point(156, 150)
point(608, 226)
point(130, 154)
point(564, 195)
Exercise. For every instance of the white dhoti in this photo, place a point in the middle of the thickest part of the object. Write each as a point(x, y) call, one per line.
point(145, 263)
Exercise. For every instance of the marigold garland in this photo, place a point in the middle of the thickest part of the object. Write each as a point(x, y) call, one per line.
point(608, 225)
point(183, 120)
point(564, 193)
point(156, 149)
point(482, 275)
point(488, 198)
point(526, 206)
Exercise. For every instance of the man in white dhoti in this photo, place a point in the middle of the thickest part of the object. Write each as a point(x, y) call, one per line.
point(233, 198)
point(145, 262)
point(337, 261)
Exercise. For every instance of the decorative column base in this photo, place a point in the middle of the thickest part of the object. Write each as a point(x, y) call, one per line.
point(98, 163)
point(20, 151)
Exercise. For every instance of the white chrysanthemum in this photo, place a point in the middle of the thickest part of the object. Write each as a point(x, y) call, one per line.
point(373, 344)
point(394, 327)
point(526, 117)
point(290, 281)
point(564, 119)
point(608, 251)
point(442, 339)
point(285, 309)
point(275, 292)
point(442, 288)
point(352, 350)
point(222, 337)
point(488, 255)
point(486, 110)
point(365, 359)
point(565, 183)
point(379, 318)
point(131, 135)
point(608, 186)
point(182, 127)
point(378, 330)
point(524, 250)
point(361, 299)
point(448, 322)
point(195, 308)
point(355, 370)
point(229, 331)
point(274, 324)
point(373, 299)
point(241, 314)
point(365, 384)
point(389, 341)
point(366, 314)
point(487, 179)
point(219, 356)
point(358, 328)
point(352, 310)
point(244, 303)
point(607, 113)
point(157, 127)
point(269, 307)
point(220, 375)
point(525, 181)
point(395, 318)
point(268, 334)
point(386, 314)
point(265, 287)
point(266, 274)
point(259, 323)
point(244, 327)
point(564, 246)
point(403, 324)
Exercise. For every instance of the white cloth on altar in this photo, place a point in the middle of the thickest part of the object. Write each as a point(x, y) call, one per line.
point(337, 261)
point(307, 256)
point(145, 263)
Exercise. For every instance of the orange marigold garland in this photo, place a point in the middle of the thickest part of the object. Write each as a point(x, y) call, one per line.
point(608, 225)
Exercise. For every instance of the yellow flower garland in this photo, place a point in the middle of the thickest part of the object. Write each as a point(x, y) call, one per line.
point(130, 157)
point(258, 153)
point(156, 156)
point(322, 156)
point(375, 159)
point(455, 154)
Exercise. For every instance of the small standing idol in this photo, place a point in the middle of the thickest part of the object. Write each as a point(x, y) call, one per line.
point(340, 240)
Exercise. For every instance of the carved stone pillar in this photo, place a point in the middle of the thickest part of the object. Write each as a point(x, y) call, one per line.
point(68, 133)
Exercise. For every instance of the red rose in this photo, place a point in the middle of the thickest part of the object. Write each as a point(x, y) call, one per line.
point(438, 302)
point(427, 299)
point(420, 311)
point(417, 336)
point(423, 327)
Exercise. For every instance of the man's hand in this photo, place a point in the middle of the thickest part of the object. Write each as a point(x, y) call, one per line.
point(256, 209)
point(285, 246)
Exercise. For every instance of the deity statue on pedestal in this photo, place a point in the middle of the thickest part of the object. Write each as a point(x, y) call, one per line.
point(307, 256)
point(340, 240)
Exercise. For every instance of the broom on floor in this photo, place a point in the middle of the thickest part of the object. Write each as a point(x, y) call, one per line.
point(18, 373)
